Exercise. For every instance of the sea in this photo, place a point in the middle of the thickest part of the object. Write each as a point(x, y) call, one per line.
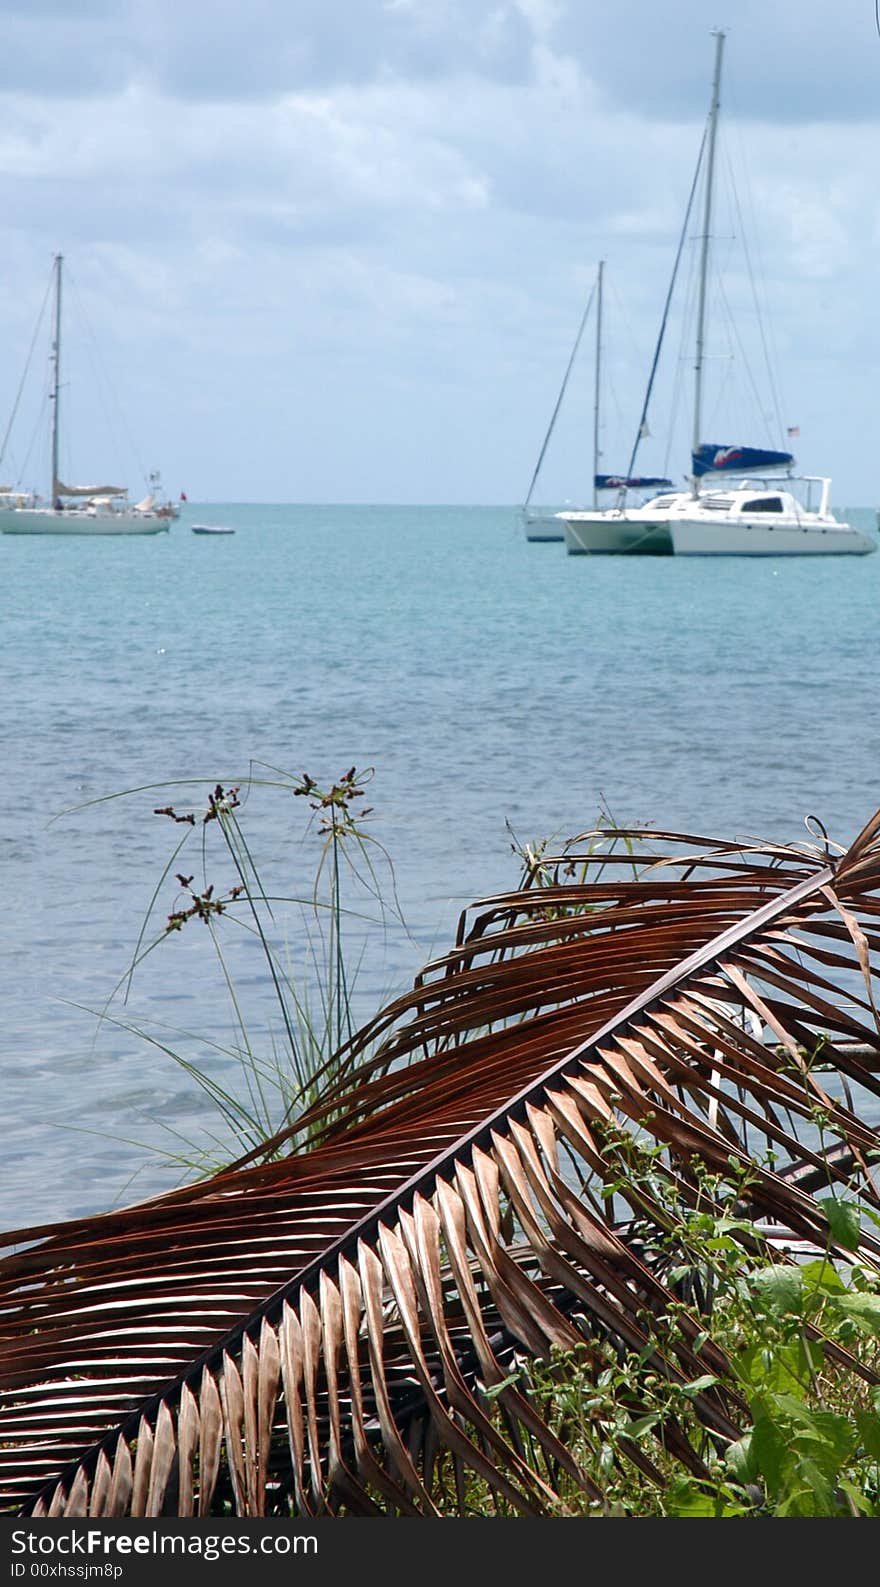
point(490, 692)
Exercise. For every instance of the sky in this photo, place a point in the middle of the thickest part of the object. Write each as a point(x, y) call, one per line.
point(338, 250)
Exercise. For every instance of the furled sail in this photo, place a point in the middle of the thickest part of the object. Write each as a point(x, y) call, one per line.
point(636, 482)
point(88, 490)
point(711, 459)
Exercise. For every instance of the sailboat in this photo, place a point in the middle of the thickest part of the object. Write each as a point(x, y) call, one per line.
point(79, 509)
point(752, 518)
point(550, 526)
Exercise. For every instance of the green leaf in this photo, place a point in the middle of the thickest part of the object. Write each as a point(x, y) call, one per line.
point(809, 1494)
point(860, 1500)
point(868, 1424)
point(843, 1221)
point(498, 1388)
point(822, 1278)
point(739, 1462)
point(862, 1309)
point(699, 1385)
point(768, 1451)
point(780, 1288)
point(773, 1370)
point(826, 1437)
point(687, 1501)
point(799, 1453)
point(642, 1424)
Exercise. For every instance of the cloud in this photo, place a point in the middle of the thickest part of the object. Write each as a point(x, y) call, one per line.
point(399, 205)
point(223, 50)
point(795, 61)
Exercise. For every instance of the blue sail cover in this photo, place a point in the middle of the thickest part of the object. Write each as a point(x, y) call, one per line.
point(620, 482)
point(709, 459)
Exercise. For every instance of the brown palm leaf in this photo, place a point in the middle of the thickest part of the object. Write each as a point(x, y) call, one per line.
point(338, 1329)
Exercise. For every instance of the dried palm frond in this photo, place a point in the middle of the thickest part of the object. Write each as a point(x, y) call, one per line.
point(337, 1329)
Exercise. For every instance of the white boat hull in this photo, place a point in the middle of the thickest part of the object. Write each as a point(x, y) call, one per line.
point(542, 527)
point(704, 538)
point(746, 522)
point(616, 534)
point(33, 521)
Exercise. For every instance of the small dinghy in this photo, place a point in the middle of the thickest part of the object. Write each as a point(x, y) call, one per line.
point(211, 529)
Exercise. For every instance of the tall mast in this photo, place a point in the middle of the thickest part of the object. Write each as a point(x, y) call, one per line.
point(704, 249)
point(596, 451)
point(56, 377)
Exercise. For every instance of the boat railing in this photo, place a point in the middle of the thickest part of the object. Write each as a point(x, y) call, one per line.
point(711, 482)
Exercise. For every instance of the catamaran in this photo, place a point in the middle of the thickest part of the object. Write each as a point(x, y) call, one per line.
point(749, 518)
point(79, 509)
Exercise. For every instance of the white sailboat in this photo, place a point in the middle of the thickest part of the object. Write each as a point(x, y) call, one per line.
point(751, 518)
point(79, 509)
point(543, 525)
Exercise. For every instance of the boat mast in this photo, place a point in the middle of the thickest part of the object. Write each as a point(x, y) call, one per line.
point(596, 451)
point(56, 378)
point(704, 248)
point(573, 355)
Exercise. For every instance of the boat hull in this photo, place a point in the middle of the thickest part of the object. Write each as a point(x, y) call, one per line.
point(615, 534)
point(542, 527)
point(541, 537)
point(31, 521)
point(705, 538)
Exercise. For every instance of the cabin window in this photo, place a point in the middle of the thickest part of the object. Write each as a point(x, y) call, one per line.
point(765, 504)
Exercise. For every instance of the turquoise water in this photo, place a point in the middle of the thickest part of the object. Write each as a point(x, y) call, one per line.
point(487, 680)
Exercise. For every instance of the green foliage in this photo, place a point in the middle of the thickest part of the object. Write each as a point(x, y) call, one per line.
point(800, 1343)
point(843, 1222)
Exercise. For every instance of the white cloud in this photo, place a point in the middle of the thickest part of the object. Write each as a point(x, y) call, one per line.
point(419, 208)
